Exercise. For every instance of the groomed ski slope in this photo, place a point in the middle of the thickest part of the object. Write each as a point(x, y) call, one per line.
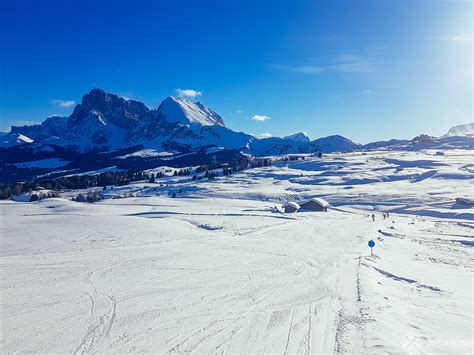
point(219, 270)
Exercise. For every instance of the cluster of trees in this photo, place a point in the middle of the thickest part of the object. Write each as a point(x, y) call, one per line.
point(119, 178)
point(297, 157)
point(227, 171)
point(173, 195)
point(182, 172)
point(293, 158)
point(210, 175)
point(36, 196)
point(9, 190)
point(259, 162)
point(92, 196)
point(153, 177)
point(124, 195)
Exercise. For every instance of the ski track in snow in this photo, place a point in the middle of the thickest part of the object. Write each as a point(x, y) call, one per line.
point(217, 270)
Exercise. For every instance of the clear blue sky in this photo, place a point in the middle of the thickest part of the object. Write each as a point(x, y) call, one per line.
point(368, 70)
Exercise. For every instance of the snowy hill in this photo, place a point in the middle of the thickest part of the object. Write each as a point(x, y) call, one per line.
point(278, 146)
point(335, 143)
point(464, 130)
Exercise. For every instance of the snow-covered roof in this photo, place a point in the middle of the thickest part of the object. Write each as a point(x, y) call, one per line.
point(292, 204)
point(319, 201)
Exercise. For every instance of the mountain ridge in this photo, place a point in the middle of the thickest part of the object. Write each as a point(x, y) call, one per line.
point(105, 121)
point(463, 130)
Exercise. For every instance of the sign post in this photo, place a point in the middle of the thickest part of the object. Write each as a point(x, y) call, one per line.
point(371, 245)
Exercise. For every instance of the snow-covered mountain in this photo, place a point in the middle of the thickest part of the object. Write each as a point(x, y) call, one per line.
point(175, 109)
point(335, 143)
point(299, 137)
point(49, 131)
point(104, 122)
point(464, 130)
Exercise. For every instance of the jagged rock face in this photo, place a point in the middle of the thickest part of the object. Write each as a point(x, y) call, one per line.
point(108, 109)
point(103, 122)
point(423, 138)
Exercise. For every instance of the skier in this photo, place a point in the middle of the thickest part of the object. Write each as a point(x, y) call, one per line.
point(373, 217)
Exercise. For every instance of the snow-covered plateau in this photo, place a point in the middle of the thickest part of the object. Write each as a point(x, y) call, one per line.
point(220, 268)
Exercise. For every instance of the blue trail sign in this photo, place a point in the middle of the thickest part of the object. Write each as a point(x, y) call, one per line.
point(371, 245)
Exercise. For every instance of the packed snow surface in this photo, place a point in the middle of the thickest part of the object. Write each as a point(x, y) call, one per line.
point(221, 269)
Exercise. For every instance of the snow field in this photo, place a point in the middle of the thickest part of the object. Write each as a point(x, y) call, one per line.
point(217, 270)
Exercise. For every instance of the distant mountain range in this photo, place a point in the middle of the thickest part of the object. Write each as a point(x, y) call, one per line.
point(104, 122)
point(107, 125)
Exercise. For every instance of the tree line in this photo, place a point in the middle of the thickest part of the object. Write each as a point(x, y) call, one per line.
point(120, 178)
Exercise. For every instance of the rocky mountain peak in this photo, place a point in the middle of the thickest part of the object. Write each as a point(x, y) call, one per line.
point(179, 110)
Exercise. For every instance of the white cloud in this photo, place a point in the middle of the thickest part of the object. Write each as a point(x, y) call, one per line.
point(367, 91)
point(64, 103)
point(348, 63)
point(306, 69)
point(263, 135)
point(260, 118)
point(189, 93)
point(461, 37)
point(353, 64)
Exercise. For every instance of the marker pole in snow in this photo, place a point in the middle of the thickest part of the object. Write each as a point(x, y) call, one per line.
point(371, 245)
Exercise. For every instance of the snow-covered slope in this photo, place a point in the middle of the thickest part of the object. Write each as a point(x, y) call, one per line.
point(13, 139)
point(335, 143)
point(219, 269)
point(299, 137)
point(179, 110)
point(466, 130)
